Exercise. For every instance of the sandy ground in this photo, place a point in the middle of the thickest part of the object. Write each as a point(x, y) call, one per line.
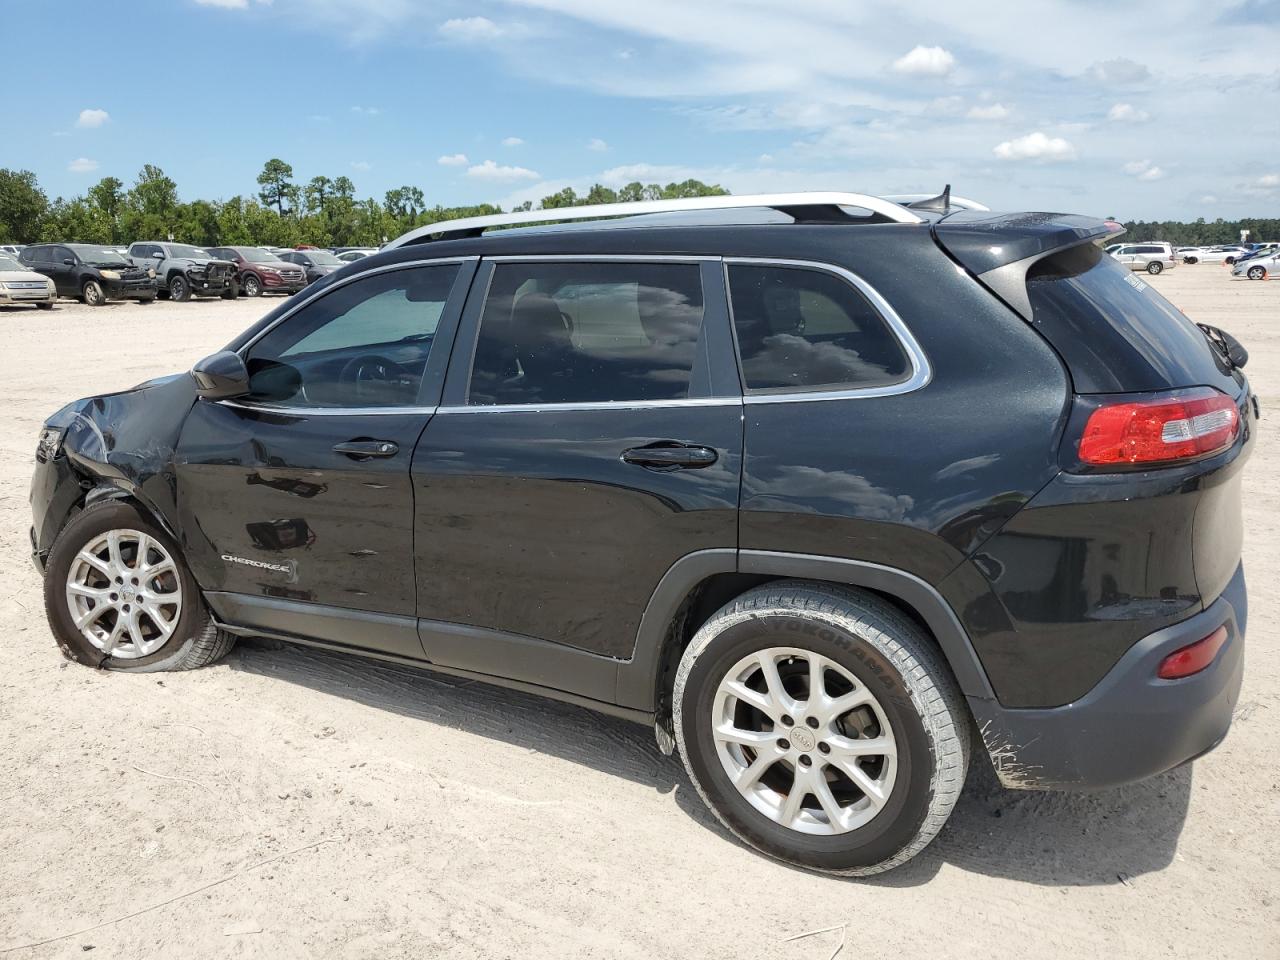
point(292, 803)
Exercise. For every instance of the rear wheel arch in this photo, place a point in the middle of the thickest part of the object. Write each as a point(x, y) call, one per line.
point(699, 584)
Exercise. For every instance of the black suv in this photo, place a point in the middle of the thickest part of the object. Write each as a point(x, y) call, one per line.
point(90, 272)
point(827, 488)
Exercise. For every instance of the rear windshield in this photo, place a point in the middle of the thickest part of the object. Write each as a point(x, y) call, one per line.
point(1115, 331)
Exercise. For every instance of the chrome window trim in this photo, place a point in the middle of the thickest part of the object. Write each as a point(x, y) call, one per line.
point(592, 405)
point(921, 371)
point(604, 258)
point(328, 411)
point(385, 268)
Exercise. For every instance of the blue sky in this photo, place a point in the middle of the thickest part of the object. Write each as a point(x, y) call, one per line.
point(1168, 109)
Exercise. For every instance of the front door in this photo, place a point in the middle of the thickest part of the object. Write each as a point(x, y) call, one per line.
point(591, 438)
point(297, 498)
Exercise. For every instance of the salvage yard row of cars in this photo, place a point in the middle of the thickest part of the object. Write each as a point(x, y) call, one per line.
point(96, 274)
point(1253, 261)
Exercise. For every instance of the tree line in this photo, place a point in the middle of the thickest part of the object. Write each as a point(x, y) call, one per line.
point(1202, 233)
point(323, 211)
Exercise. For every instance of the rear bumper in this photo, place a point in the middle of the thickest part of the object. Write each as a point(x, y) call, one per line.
point(1131, 725)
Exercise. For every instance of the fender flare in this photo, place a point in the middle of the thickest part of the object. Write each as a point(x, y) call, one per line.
point(638, 677)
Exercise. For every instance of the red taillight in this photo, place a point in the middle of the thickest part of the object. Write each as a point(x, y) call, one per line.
point(1164, 429)
point(1192, 658)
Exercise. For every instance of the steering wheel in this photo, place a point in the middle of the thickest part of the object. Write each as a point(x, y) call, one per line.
point(373, 378)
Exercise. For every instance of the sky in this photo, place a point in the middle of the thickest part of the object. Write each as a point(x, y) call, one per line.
point(1162, 110)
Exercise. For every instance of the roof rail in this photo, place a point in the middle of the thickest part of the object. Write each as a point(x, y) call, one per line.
point(824, 206)
point(952, 199)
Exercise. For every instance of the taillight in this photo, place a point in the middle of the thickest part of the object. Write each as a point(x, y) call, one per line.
point(1192, 658)
point(1189, 424)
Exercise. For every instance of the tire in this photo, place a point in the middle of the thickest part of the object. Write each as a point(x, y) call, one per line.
point(147, 300)
point(193, 639)
point(91, 293)
point(252, 286)
point(868, 649)
point(1190, 259)
point(232, 292)
point(1256, 273)
point(45, 306)
point(179, 289)
point(1155, 267)
point(1230, 261)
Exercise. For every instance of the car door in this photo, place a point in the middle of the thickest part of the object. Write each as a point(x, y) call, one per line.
point(296, 499)
point(590, 436)
point(65, 274)
point(146, 256)
point(1127, 255)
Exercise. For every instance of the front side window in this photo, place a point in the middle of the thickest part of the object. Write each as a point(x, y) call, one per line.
point(587, 333)
point(365, 344)
point(806, 329)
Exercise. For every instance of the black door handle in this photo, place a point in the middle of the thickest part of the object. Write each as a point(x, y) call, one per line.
point(367, 449)
point(670, 457)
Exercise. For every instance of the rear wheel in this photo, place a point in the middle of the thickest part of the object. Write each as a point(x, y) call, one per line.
point(1154, 267)
point(92, 293)
point(179, 289)
point(119, 596)
point(822, 727)
point(45, 306)
point(1257, 273)
point(1190, 259)
point(252, 286)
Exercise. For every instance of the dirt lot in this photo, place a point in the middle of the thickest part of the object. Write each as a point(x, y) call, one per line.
point(292, 803)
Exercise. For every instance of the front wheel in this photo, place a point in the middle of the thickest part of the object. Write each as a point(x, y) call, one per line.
point(232, 291)
point(45, 306)
point(118, 595)
point(179, 289)
point(1191, 260)
point(822, 727)
point(1257, 273)
point(252, 286)
point(1154, 267)
point(92, 293)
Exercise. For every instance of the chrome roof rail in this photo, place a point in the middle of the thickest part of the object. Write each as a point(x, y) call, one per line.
point(955, 201)
point(823, 204)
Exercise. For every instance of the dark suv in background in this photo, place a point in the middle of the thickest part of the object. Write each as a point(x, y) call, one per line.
point(831, 490)
point(259, 271)
point(183, 271)
point(317, 264)
point(90, 272)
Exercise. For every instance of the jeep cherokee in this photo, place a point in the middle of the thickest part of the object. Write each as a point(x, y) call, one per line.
point(829, 489)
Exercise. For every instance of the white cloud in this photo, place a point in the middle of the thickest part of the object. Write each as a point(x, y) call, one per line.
point(367, 111)
point(1269, 181)
point(469, 29)
point(996, 111)
point(1035, 146)
point(453, 160)
point(82, 165)
point(495, 172)
point(928, 61)
point(1121, 70)
point(1208, 198)
point(1127, 113)
point(598, 145)
point(224, 4)
point(512, 142)
point(361, 165)
point(1151, 173)
point(1143, 170)
point(91, 118)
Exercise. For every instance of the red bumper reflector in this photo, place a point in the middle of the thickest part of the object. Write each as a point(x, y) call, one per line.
point(1192, 658)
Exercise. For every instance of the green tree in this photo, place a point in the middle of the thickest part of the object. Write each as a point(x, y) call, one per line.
point(277, 186)
point(150, 208)
point(561, 198)
point(22, 206)
point(317, 194)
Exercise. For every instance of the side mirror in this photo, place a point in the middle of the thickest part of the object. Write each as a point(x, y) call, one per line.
point(221, 376)
point(159, 255)
point(68, 262)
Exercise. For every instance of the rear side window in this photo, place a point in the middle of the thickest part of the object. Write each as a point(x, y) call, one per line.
point(804, 329)
point(587, 333)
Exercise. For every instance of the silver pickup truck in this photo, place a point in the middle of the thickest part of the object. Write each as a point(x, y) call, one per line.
point(184, 271)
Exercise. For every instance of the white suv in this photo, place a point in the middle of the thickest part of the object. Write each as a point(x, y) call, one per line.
point(1152, 257)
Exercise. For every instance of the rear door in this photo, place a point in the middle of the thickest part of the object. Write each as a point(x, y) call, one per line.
point(590, 436)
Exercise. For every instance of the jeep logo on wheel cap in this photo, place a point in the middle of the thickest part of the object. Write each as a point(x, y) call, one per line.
point(802, 739)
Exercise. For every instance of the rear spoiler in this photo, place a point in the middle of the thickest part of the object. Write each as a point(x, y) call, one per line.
point(999, 248)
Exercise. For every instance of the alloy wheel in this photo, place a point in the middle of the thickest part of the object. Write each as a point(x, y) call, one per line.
point(124, 593)
point(804, 741)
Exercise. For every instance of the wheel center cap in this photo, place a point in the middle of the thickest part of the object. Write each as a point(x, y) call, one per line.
point(803, 739)
point(128, 594)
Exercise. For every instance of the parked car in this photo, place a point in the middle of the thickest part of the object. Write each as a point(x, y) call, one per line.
point(13, 250)
point(1264, 267)
point(1226, 253)
point(315, 263)
point(18, 284)
point(91, 273)
point(260, 271)
point(355, 253)
point(1151, 257)
point(752, 483)
point(183, 271)
point(1258, 250)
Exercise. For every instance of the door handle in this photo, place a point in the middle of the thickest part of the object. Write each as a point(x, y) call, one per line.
point(668, 456)
point(367, 449)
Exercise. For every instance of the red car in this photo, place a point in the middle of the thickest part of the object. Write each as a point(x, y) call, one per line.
point(258, 271)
